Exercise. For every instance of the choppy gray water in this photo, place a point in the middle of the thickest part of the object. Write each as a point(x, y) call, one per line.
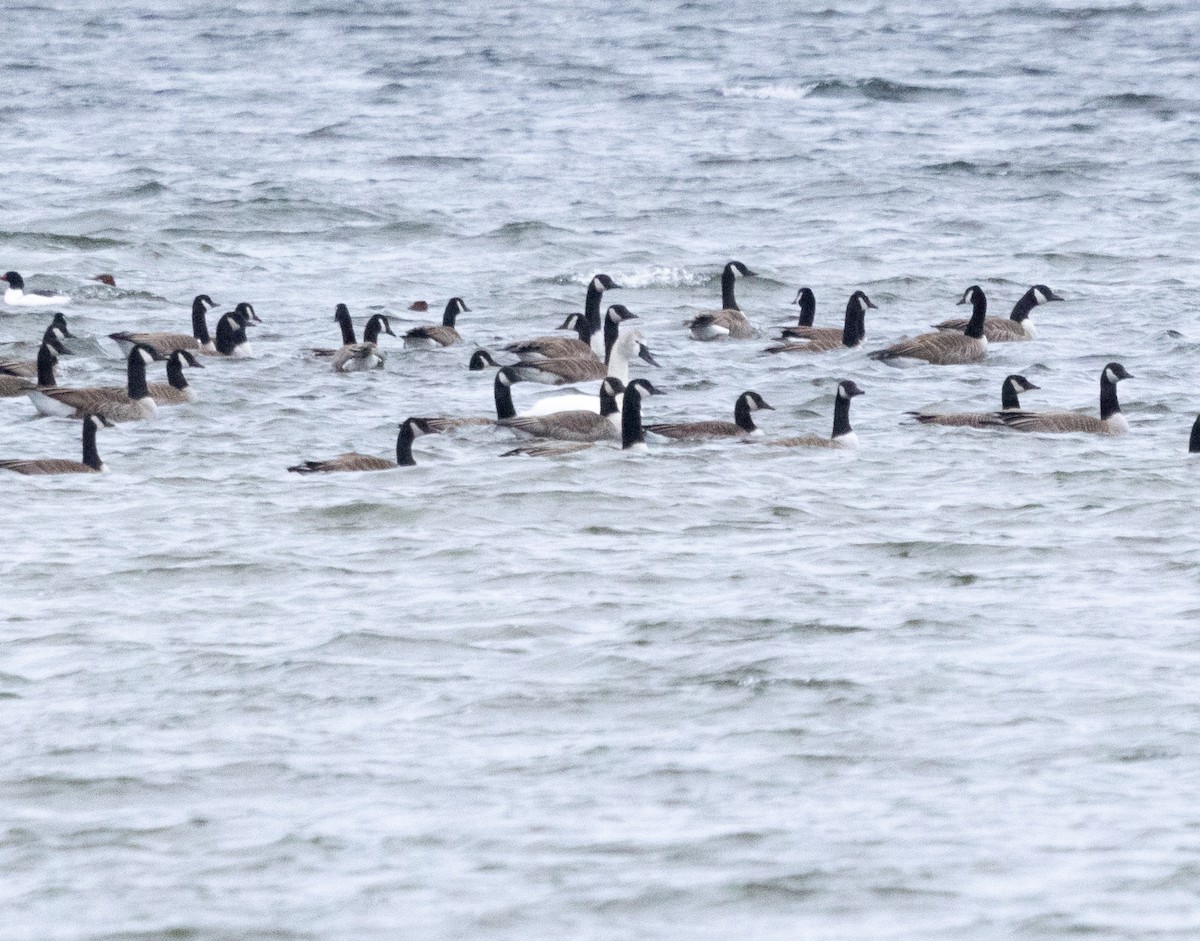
point(940, 688)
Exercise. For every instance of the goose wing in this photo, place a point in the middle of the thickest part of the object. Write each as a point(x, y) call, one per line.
point(731, 323)
point(681, 431)
point(996, 329)
point(559, 372)
point(350, 461)
point(960, 419)
point(436, 333)
point(1056, 422)
point(551, 348)
point(939, 348)
point(47, 466)
point(565, 426)
point(355, 355)
point(546, 450)
point(162, 343)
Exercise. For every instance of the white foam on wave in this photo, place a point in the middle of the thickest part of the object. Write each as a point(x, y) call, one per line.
point(652, 276)
point(778, 92)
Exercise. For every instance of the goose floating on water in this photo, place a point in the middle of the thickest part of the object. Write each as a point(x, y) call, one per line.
point(91, 463)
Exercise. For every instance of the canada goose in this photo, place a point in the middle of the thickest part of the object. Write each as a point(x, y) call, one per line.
point(480, 360)
point(1194, 441)
point(131, 403)
point(1017, 326)
point(91, 463)
point(410, 429)
point(579, 425)
point(729, 321)
point(591, 310)
point(944, 348)
point(17, 296)
point(633, 437)
point(1009, 402)
point(431, 336)
point(25, 368)
point(552, 347)
point(1110, 422)
point(164, 343)
point(568, 371)
point(826, 339)
point(356, 357)
point(341, 316)
point(501, 393)
point(231, 336)
point(843, 435)
point(742, 425)
point(175, 391)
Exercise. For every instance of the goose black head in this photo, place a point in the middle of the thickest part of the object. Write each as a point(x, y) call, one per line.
point(754, 401)
point(147, 353)
point(202, 303)
point(601, 283)
point(456, 305)
point(848, 390)
point(612, 386)
point(619, 312)
point(571, 323)
point(340, 313)
point(737, 270)
point(183, 356)
point(971, 294)
point(643, 352)
point(1114, 373)
point(507, 376)
point(98, 422)
point(1020, 384)
point(53, 339)
point(482, 359)
point(246, 310)
point(418, 426)
point(60, 323)
point(1043, 294)
point(377, 324)
point(644, 387)
point(863, 302)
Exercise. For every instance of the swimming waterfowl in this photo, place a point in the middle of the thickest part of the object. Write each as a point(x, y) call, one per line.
point(742, 425)
point(175, 391)
point(1009, 402)
point(578, 425)
point(17, 296)
point(131, 403)
point(12, 385)
point(618, 349)
point(356, 357)
point(552, 347)
point(944, 348)
point(843, 435)
point(633, 437)
point(807, 302)
point(431, 336)
point(1110, 422)
point(506, 377)
point(410, 429)
point(91, 463)
point(808, 339)
point(231, 335)
point(729, 321)
point(166, 343)
point(1194, 441)
point(1017, 326)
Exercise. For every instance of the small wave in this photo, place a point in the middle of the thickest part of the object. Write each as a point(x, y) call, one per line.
point(514, 231)
point(880, 89)
point(429, 160)
point(1073, 15)
point(656, 276)
point(54, 240)
point(328, 132)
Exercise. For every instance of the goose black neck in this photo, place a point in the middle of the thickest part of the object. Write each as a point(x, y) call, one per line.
point(854, 331)
point(808, 309)
point(200, 322)
point(1022, 308)
point(1194, 443)
point(728, 301)
point(91, 457)
point(608, 403)
point(229, 334)
point(841, 416)
point(450, 314)
point(631, 419)
point(45, 366)
point(175, 374)
point(743, 417)
point(347, 326)
point(591, 307)
point(978, 313)
point(612, 329)
point(504, 401)
point(136, 387)
point(1109, 405)
point(404, 442)
point(1008, 397)
point(583, 330)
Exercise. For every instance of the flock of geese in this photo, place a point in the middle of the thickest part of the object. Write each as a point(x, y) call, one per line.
point(598, 354)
